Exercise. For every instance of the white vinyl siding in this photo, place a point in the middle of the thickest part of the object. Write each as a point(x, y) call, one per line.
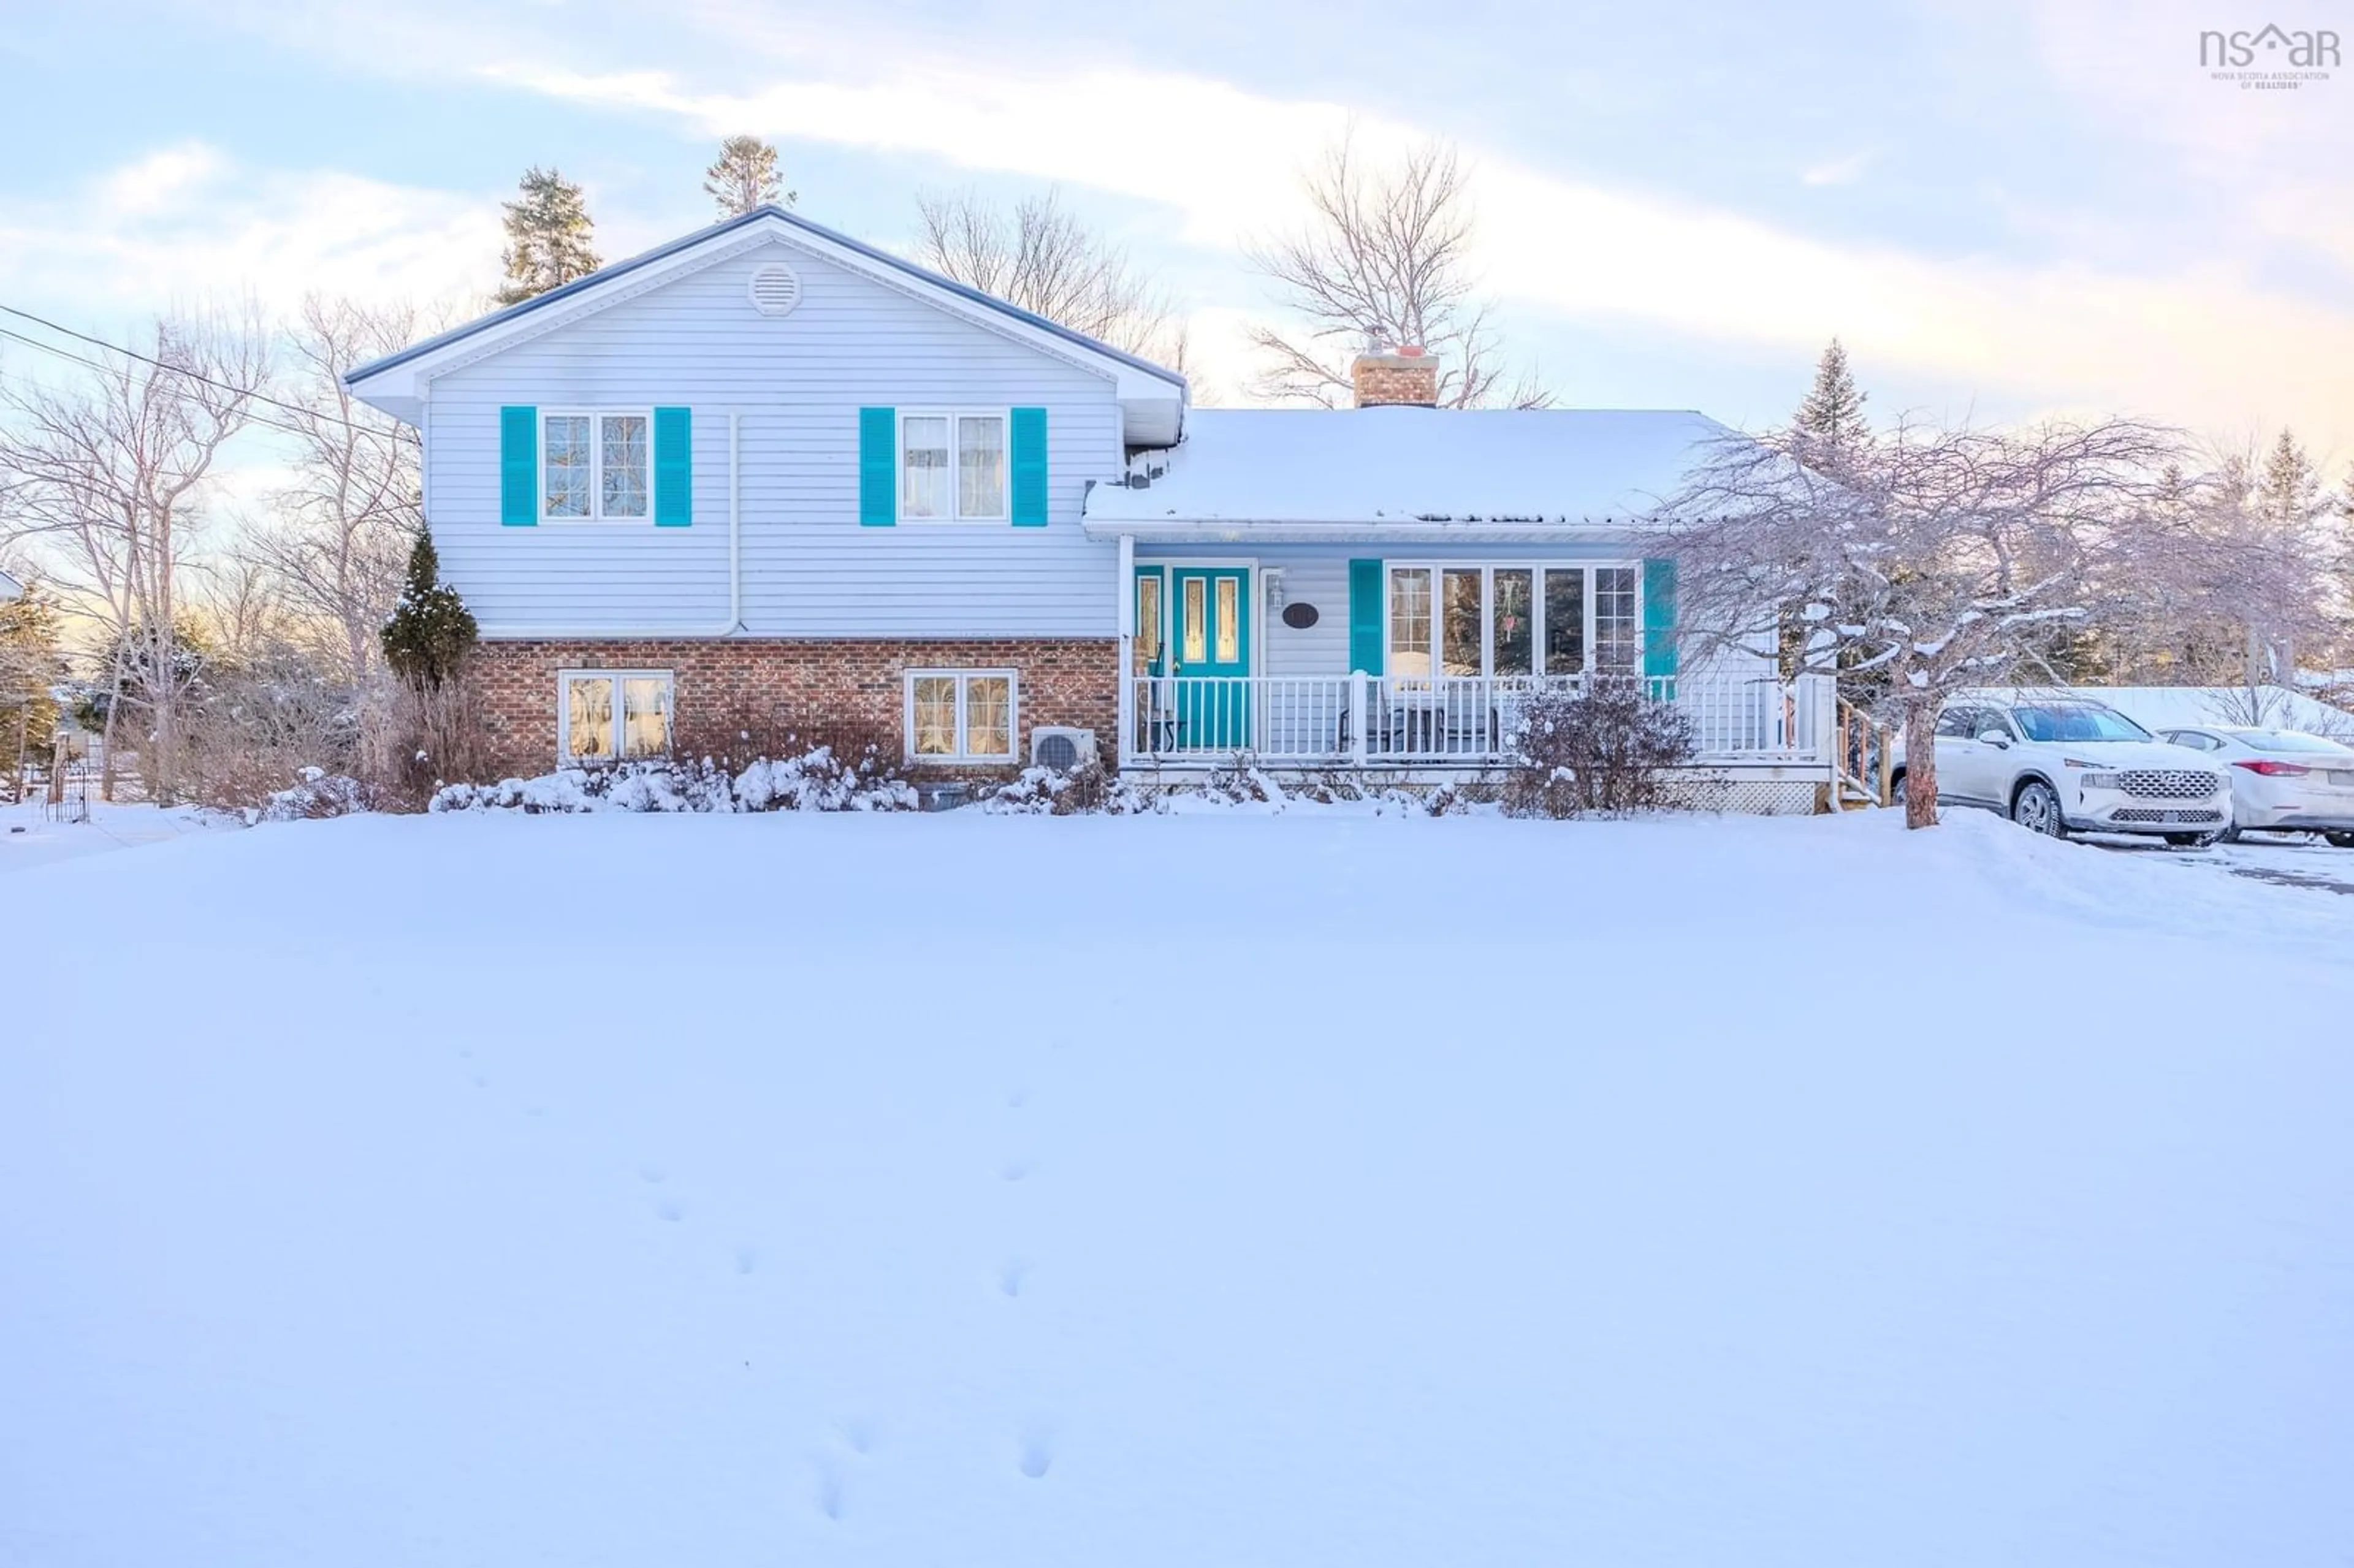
point(797, 382)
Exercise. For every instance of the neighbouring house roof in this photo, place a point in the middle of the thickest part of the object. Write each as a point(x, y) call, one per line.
point(1409, 472)
point(10, 587)
point(619, 279)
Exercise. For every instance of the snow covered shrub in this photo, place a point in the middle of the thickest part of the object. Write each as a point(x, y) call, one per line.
point(816, 780)
point(316, 793)
point(1244, 783)
point(1088, 789)
point(820, 780)
point(1611, 751)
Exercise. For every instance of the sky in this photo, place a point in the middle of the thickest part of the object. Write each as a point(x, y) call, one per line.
point(2005, 208)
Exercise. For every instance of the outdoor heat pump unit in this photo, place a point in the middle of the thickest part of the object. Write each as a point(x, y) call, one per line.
point(1061, 747)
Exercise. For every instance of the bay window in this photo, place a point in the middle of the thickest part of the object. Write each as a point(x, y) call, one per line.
point(1487, 620)
point(952, 466)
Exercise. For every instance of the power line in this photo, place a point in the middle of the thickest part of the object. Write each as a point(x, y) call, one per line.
point(184, 370)
point(250, 418)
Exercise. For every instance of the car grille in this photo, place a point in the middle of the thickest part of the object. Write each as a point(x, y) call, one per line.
point(2157, 814)
point(2169, 783)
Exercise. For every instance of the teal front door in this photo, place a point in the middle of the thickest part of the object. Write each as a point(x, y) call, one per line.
point(1209, 656)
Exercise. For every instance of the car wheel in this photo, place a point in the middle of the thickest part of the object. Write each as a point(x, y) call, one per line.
point(2192, 840)
point(2340, 840)
point(1897, 787)
point(2037, 809)
point(2232, 834)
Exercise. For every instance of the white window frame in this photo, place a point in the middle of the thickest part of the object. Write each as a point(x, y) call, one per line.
point(1004, 417)
point(564, 679)
point(596, 418)
point(1486, 570)
point(964, 755)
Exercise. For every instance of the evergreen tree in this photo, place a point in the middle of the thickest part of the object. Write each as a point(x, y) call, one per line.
point(549, 230)
point(2289, 491)
point(745, 176)
point(1831, 422)
point(431, 630)
point(30, 667)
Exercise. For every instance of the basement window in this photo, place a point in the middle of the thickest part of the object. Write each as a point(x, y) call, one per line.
point(960, 715)
point(611, 715)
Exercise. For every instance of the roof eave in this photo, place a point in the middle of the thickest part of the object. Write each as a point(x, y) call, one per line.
point(1302, 531)
point(397, 377)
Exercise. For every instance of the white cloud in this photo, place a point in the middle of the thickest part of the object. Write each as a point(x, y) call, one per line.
point(186, 223)
point(2206, 347)
point(1843, 171)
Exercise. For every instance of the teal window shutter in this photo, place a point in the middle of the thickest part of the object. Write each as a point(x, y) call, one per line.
point(1029, 443)
point(518, 466)
point(1660, 622)
point(1365, 641)
point(878, 467)
point(673, 467)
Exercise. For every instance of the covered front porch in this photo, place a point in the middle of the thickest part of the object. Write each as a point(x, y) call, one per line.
point(1313, 656)
point(1361, 720)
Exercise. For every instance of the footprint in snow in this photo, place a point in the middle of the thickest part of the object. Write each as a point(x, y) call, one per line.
point(1013, 1277)
point(747, 1260)
point(829, 1499)
point(671, 1209)
point(652, 1173)
point(858, 1432)
point(1039, 1438)
point(1016, 1170)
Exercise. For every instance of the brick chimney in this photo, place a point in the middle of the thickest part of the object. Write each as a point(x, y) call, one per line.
point(1406, 374)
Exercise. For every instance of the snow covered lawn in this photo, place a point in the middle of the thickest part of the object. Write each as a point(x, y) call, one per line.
point(30, 836)
point(1199, 1190)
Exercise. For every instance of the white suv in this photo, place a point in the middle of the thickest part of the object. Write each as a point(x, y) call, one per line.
point(2067, 766)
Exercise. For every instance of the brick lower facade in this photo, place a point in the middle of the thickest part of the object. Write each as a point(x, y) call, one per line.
point(818, 689)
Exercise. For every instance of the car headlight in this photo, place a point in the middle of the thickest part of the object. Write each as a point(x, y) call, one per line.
point(2104, 780)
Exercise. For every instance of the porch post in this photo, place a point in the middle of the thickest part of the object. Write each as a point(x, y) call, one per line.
point(1124, 618)
point(1361, 709)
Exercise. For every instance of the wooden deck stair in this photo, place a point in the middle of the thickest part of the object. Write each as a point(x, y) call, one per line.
point(1863, 758)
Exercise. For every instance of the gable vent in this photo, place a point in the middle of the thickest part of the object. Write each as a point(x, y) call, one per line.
point(775, 289)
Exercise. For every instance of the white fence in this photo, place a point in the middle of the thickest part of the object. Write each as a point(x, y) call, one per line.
point(1371, 721)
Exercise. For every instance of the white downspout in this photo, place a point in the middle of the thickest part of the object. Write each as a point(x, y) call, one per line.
point(1125, 620)
point(735, 526)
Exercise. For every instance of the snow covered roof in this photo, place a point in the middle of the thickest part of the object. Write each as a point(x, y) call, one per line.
point(1405, 472)
point(9, 587)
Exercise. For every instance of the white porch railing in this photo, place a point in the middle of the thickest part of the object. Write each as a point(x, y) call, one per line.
point(1371, 721)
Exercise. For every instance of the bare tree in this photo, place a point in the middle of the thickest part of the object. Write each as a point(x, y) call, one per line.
point(1038, 255)
point(343, 528)
point(109, 473)
point(1384, 257)
point(1939, 559)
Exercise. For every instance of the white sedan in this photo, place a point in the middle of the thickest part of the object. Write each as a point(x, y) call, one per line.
point(2283, 781)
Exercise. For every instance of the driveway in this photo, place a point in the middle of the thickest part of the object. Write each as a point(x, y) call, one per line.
point(2283, 860)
